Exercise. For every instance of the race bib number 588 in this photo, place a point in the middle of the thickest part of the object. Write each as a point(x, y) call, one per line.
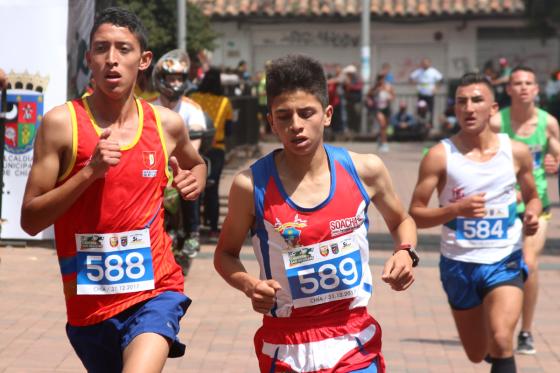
point(114, 263)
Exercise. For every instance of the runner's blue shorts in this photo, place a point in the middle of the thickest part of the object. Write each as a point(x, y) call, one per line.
point(100, 346)
point(466, 284)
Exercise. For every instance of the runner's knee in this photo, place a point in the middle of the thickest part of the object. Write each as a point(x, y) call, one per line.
point(502, 340)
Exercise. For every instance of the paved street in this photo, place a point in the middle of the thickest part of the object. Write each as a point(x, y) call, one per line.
point(418, 331)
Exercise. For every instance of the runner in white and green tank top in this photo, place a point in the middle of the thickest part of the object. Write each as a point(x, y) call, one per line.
point(538, 145)
point(524, 122)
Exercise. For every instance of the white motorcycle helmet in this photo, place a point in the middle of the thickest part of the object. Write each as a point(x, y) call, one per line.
point(173, 62)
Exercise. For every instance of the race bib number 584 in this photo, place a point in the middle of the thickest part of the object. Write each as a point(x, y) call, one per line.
point(494, 226)
point(114, 263)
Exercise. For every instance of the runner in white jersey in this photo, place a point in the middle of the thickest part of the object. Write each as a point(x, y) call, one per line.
point(498, 232)
point(481, 266)
point(170, 77)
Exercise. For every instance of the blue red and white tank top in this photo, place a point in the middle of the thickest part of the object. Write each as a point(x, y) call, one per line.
point(111, 244)
point(491, 238)
point(318, 255)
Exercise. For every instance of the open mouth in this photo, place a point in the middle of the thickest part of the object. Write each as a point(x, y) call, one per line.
point(113, 75)
point(299, 140)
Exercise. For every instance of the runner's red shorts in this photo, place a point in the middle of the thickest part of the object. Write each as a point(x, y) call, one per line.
point(338, 343)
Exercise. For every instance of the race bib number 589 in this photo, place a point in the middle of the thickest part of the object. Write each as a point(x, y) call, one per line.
point(325, 276)
point(114, 263)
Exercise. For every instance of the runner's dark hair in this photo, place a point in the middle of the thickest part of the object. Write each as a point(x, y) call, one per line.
point(122, 18)
point(293, 73)
point(475, 78)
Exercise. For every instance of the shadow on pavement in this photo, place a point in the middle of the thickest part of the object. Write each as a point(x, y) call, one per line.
point(442, 342)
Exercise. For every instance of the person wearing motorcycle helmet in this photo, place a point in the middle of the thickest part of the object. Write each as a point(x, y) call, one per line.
point(170, 77)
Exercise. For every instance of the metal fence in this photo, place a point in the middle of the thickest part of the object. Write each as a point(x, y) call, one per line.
point(245, 132)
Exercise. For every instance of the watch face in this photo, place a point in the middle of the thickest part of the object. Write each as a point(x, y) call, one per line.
point(414, 255)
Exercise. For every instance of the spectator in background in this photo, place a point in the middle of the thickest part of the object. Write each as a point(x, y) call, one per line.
point(334, 101)
point(490, 73)
point(402, 121)
point(386, 71)
point(427, 78)
point(170, 78)
point(261, 100)
point(552, 91)
point(448, 119)
point(379, 100)
point(353, 92)
point(500, 83)
point(423, 117)
point(337, 99)
point(242, 72)
point(230, 82)
point(210, 96)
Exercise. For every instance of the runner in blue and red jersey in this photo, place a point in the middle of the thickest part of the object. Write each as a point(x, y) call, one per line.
point(306, 208)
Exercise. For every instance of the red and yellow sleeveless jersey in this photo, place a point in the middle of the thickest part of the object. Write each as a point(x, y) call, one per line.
point(128, 199)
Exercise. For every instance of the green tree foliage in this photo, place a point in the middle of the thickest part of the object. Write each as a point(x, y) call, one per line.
point(543, 16)
point(160, 19)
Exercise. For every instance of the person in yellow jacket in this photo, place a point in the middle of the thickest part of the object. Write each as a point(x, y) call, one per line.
point(210, 96)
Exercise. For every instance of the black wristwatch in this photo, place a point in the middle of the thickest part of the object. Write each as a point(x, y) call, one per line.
point(411, 251)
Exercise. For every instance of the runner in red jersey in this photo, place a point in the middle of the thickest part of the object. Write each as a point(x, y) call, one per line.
point(306, 207)
point(99, 171)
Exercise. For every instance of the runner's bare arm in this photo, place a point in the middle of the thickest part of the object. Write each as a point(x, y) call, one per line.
point(193, 170)
point(238, 222)
point(43, 202)
point(524, 169)
point(552, 157)
point(397, 271)
point(431, 176)
point(379, 186)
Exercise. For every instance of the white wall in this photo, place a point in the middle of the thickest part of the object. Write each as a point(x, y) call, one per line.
point(401, 45)
point(452, 46)
point(234, 45)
